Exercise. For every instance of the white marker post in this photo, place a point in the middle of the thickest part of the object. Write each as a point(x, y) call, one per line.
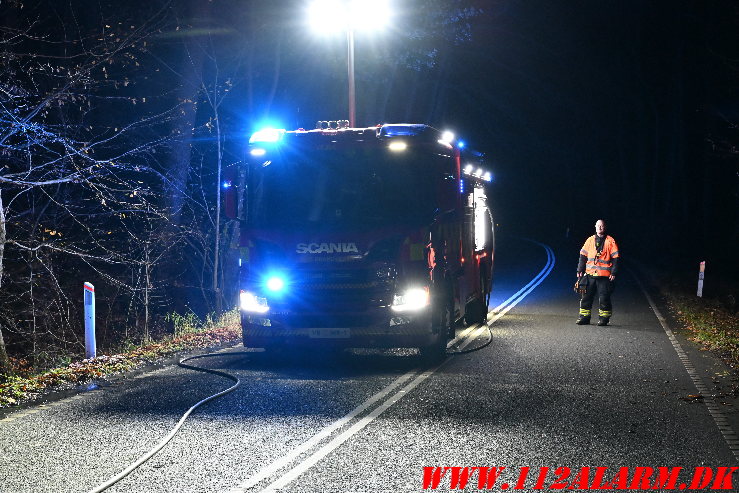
point(701, 272)
point(90, 344)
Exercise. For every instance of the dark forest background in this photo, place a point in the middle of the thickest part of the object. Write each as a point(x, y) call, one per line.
point(117, 119)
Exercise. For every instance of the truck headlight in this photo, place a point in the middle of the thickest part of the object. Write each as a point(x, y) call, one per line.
point(253, 303)
point(411, 299)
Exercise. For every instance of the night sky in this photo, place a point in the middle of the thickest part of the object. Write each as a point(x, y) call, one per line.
point(622, 110)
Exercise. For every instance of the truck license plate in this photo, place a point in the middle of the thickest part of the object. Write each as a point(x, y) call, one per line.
point(328, 333)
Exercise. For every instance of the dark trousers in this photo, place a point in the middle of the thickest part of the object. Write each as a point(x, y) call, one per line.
point(603, 287)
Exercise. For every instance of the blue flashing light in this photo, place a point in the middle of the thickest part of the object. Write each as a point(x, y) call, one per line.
point(227, 184)
point(267, 135)
point(461, 144)
point(399, 130)
point(275, 284)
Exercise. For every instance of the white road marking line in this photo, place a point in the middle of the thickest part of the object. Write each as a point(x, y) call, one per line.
point(529, 287)
point(309, 462)
point(533, 283)
point(324, 433)
point(296, 471)
point(719, 417)
point(329, 430)
point(462, 335)
point(466, 336)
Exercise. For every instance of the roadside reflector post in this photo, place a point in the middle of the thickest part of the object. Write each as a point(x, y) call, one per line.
point(90, 344)
point(701, 272)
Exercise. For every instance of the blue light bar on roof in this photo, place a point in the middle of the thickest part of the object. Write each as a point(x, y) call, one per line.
point(267, 135)
point(395, 130)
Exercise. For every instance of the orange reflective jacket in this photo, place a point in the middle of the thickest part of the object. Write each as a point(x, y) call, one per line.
point(599, 264)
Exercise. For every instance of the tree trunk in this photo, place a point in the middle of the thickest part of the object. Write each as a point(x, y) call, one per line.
point(3, 237)
point(190, 71)
point(217, 246)
point(5, 368)
point(147, 289)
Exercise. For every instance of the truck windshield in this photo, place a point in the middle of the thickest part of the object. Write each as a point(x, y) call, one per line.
point(352, 185)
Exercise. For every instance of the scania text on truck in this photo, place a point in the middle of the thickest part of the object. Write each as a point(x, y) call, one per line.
point(363, 237)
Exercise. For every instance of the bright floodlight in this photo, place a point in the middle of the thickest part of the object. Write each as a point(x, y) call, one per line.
point(369, 14)
point(326, 15)
point(348, 15)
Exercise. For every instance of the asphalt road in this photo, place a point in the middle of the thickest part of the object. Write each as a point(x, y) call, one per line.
point(544, 392)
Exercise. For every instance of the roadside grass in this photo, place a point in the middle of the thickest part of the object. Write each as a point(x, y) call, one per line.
point(711, 321)
point(190, 333)
point(708, 322)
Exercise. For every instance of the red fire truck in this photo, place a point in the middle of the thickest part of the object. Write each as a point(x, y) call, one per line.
point(363, 237)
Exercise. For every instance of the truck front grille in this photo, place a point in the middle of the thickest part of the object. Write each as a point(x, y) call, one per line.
point(337, 292)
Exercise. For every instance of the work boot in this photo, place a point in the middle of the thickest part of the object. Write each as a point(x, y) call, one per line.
point(602, 321)
point(583, 321)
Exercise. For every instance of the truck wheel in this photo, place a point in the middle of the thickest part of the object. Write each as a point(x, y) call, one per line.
point(475, 312)
point(435, 352)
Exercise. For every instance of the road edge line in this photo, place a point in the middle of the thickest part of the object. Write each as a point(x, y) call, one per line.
point(719, 417)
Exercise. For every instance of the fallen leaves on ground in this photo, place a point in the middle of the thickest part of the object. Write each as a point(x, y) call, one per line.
point(692, 398)
point(18, 389)
point(708, 324)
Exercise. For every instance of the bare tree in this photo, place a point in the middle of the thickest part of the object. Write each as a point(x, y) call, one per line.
point(80, 182)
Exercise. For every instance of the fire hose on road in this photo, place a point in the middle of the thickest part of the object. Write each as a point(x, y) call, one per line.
point(493, 315)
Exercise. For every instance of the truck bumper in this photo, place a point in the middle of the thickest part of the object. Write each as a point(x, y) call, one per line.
point(389, 331)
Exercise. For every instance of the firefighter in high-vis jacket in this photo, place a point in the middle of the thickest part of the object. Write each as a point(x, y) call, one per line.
point(599, 262)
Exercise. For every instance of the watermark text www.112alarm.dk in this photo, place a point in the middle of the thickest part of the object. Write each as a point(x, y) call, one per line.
point(579, 478)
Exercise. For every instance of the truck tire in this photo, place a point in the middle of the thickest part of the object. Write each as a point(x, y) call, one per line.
point(435, 352)
point(475, 312)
